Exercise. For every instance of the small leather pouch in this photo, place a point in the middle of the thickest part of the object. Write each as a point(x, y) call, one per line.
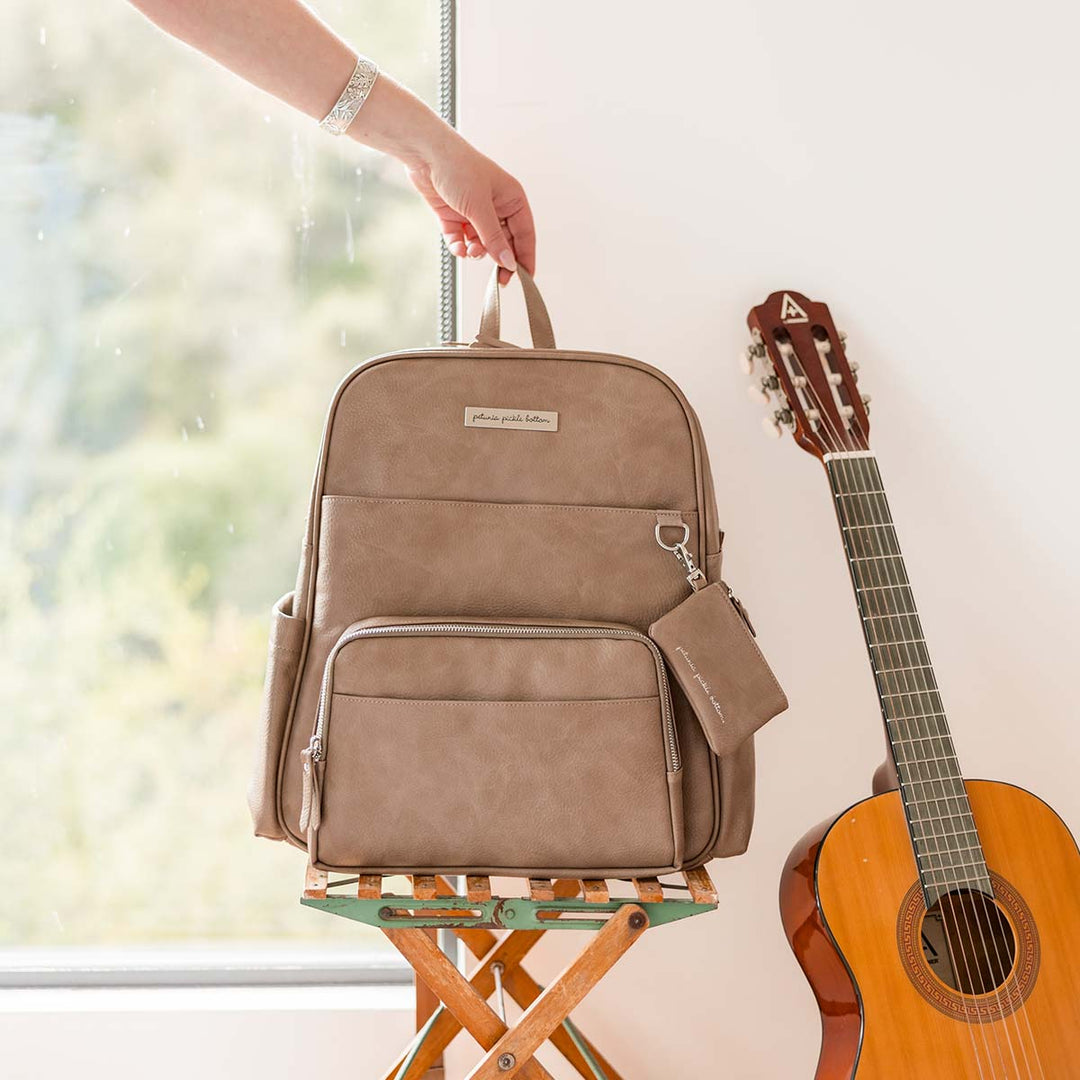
point(710, 651)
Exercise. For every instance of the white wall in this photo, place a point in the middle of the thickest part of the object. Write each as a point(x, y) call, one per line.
point(914, 166)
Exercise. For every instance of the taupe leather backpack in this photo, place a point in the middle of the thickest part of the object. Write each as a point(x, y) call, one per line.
point(462, 680)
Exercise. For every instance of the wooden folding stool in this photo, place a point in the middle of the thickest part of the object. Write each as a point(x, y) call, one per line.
point(461, 1002)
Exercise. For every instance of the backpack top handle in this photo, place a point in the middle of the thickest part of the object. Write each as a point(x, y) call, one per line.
point(543, 337)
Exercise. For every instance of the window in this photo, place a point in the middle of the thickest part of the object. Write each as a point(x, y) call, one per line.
point(187, 268)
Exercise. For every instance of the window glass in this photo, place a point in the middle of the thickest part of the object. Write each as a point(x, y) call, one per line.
point(187, 269)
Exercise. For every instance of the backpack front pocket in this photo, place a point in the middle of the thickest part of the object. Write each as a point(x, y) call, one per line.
point(536, 748)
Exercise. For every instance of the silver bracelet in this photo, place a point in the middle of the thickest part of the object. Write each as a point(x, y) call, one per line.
point(356, 91)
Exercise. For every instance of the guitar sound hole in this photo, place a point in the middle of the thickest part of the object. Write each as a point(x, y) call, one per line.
point(968, 943)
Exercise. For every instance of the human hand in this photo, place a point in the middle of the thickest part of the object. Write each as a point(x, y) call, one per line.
point(482, 209)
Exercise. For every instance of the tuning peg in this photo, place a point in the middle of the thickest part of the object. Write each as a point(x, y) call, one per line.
point(780, 419)
point(854, 365)
point(866, 403)
point(842, 335)
point(750, 355)
point(758, 393)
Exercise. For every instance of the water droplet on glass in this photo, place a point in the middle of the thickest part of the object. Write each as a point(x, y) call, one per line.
point(350, 247)
point(42, 36)
point(200, 423)
point(118, 351)
point(235, 331)
point(71, 101)
point(230, 528)
point(41, 234)
point(175, 473)
point(108, 544)
point(97, 341)
point(266, 119)
point(56, 914)
point(343, 337)
point(127, 230)
point(183, 432)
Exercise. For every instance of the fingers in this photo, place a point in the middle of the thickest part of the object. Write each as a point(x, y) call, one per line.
point(457, 234)
point(523, 234)
point(495, 242)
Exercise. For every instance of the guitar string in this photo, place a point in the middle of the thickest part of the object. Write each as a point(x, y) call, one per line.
point(873, 543)
point(998, 970)
point(952, 925)
point(869, 472)
point(873, 487)
point(838, 444)
point(854, 470)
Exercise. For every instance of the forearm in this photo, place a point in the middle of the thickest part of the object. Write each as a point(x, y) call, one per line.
point(283, 47)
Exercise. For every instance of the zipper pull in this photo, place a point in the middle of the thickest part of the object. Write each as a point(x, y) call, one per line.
point(695, 576)
point(311, 806)
point(737, 604)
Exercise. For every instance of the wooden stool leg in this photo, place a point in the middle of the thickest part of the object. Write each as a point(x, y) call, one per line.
point(512, 1052)
point(457, 995)
point(426, 1004)
point(509, 952)
point(521, 987)
point(524, 989)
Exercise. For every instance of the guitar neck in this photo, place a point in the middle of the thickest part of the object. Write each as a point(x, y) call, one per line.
point(946, 842)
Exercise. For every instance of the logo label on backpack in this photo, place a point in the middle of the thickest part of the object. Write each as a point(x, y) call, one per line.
point(514, 419)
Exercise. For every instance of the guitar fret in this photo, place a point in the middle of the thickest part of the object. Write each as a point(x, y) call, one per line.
point(929, 760)
point(946, 817)
point(954, 866)
point(957, 847)
point(913, 799)
point(946, 837)
point(926, 738)
point(912, 667)
point(982, 880)
point(928, 764)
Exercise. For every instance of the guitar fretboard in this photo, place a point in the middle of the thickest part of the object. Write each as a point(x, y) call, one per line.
point(947, 847)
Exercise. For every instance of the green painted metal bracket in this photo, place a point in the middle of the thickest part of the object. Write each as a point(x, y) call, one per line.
point(507, 913)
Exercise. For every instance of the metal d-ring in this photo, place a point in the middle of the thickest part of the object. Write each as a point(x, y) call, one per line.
point(681, 543)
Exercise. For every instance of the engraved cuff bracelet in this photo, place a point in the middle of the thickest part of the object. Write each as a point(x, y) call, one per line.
point(356, 91)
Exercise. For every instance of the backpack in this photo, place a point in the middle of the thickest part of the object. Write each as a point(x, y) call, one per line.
point(462, 680)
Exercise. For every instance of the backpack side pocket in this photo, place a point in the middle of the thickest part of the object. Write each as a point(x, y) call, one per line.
point(283, 662)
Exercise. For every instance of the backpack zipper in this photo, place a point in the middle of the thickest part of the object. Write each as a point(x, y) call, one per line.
point(315, 748)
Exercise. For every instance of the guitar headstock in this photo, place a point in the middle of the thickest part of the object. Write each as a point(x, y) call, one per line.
point(797, 357)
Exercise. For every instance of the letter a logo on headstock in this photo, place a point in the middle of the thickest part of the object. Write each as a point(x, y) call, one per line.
point(790, 312)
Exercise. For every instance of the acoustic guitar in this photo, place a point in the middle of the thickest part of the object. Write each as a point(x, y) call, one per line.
point(938, 921)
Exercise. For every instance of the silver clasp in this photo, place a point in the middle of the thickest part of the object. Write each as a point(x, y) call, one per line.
point(695, 576)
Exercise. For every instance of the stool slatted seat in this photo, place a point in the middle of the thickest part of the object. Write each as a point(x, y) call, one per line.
point(619, 912)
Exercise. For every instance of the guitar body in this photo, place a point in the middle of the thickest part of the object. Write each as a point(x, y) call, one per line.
point(854, 915)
